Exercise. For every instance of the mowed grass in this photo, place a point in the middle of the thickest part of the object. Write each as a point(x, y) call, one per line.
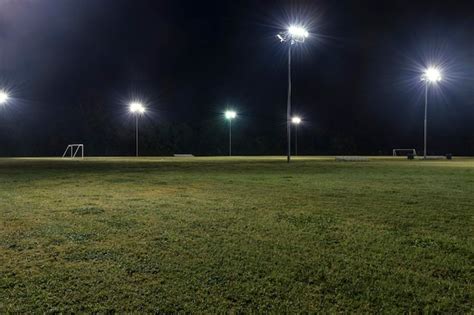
point(236, 235)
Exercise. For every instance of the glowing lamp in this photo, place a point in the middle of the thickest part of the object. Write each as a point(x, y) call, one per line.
point(298, 32)
point(296, 120)
point(431, 74)
point(3, 97)
point(137, 107)
point(230, 114)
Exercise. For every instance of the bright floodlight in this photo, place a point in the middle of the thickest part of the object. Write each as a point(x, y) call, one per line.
point(137, 107)
point(297, 32)
point(230, 114)
point(432, 74)
point(3, 97)
point(296, 120)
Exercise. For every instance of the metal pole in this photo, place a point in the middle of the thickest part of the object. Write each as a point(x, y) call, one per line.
point(136, 135)
point(426, 118)
point(288, 107)
point(230, 137)
point(296, 139)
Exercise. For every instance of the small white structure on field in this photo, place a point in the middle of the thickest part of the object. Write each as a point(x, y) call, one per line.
point(73, 149)
point(406, 151)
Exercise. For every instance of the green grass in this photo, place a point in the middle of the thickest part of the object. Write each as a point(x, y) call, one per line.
point(242, 234)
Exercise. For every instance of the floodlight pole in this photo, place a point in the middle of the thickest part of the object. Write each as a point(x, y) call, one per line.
point(288, 106)
point(296, 139)
point(426, 119)
point(230, 137)
point(136, 135)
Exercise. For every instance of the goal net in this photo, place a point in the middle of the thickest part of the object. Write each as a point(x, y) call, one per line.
point(404, 152)
point(72, 151)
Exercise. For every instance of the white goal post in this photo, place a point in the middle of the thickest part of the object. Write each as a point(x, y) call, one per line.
point(73, 149)
point(407, 151)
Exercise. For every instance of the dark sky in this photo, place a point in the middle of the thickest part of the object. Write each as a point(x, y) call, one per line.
point(72, 66)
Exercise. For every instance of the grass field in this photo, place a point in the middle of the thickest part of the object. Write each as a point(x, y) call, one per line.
point(241, 234)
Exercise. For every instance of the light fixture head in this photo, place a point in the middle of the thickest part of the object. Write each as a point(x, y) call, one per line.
point(298, 31)
point(431, 74)
point(3, 97)
point(230, 114)
point(136, 107)
point(296, 120)
point(294, 34)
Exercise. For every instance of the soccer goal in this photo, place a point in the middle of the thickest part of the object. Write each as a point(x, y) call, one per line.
point(73, 149)
point(404, 152)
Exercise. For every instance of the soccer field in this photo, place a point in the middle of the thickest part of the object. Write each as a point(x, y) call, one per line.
point(236, 234)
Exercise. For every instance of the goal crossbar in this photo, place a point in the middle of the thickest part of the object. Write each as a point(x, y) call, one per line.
point(73, 149)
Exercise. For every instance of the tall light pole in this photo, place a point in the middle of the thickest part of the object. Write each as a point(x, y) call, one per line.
point(137, 109)
point(229, 115)
point(3, 97)
point(296, 121)
point(294, 35)
point(431, 75)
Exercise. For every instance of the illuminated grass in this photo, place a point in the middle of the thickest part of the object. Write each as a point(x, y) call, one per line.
point(240, 234)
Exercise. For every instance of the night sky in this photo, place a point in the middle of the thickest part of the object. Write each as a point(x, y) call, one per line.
point(73, 65)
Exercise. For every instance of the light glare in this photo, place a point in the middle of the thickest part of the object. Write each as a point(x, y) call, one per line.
point(432, 74)
point(137, 107)
point(298, 31)
point(3, 97)
point(230, 114)
point(296, 120)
